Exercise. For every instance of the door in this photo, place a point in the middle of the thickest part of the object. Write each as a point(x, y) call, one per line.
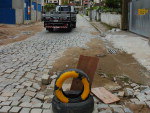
point(139, 17)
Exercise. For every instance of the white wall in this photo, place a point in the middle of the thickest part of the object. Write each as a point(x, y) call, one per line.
point(33, 15)
point(19, 16)
point(17, 4)
point(39, 16)
point(111, 19)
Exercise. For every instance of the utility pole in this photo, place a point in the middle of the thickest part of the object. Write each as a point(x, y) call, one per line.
point(124, 17)
point(90, 10)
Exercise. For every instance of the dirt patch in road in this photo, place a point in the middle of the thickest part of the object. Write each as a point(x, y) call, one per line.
point(15, 33)
point(110, 64)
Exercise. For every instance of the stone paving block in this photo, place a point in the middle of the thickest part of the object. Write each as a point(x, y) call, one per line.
point(45, 79)
point(15, 109)
point(106, 111)
point(6, 103)
point(141, 97)
point(40, 96)
point(147, 103)
point(5, 109)
point(118, 110)
point(30, 75)
point(127, 110)
point(47, 111)
point(15, 103)
point(36, 86)
point(52, 83)
point(14, 90)
point(25, 104)
point(129, 92)
point(22, 90)
point(14, 98)
point(31, 89)
point(37, 105)
point(18, 95)
point(30, 93)
point(3, 98)
point(54, 76)
point(19, 87)
point(7, 94)
point(102, 106)
point(147, 97)
point(114, 105)
point(36, 110)
point(27, 84)
point(47, 105)
point(25, 110)
point(26, 99)
point(9, 71)
point(34, 100)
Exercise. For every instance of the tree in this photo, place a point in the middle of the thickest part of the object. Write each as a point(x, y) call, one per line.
point(113, 3)
point(65, 3)
point(48, 7)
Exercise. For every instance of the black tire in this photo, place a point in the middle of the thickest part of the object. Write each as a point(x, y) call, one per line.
point(74, 24)
point(78, 98)
point(69, 27)
point(85, 106)
point(50, 29)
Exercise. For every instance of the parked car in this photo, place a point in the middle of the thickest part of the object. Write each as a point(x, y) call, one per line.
point(64, 17)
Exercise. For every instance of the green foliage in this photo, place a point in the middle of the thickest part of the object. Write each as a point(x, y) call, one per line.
point(113, 3)
point(48, 7)
point(65, 3)
point(107, 9)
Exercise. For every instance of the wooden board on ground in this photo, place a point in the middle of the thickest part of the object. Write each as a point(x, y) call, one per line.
point(104, 95)
point(87, 64)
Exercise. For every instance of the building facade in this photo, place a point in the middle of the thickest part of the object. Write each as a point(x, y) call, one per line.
point(20, 11)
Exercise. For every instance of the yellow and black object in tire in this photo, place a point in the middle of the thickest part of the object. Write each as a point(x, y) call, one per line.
point(72, 73)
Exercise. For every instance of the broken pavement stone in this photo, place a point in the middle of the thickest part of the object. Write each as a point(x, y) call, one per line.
point(133, 85)
point(121, 93)
point(52, 83)
point(45, 79)
point(54, 77)
point(128, 92)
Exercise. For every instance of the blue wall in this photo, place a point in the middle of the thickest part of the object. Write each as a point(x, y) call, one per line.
point(39, 8)
point(5, 3)
point(7, 16)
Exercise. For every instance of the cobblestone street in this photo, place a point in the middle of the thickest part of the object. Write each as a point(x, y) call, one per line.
point(22, 65)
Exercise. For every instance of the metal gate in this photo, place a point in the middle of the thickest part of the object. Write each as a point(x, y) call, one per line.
point(27, 10)
point(139, 17)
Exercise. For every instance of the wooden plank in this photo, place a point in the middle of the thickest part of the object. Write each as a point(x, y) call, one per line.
point(104, 95)
point(87, 64)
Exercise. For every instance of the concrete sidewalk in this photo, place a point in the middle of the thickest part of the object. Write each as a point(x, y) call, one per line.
point(128, 42)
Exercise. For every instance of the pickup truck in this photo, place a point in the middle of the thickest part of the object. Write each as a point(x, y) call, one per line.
point(63, 17)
